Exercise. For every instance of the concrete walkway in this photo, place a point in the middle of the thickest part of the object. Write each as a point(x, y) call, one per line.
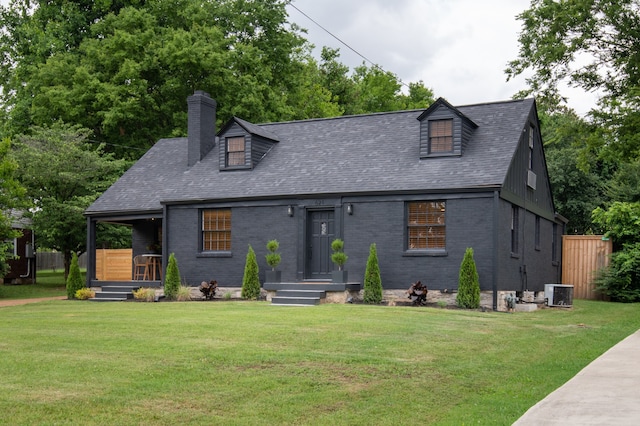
point(605, 392)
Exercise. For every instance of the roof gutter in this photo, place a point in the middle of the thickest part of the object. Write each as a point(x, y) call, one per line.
point(316, 195)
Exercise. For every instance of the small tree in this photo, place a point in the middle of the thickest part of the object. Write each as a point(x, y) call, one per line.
point(468, 282)
point(74, 280)
point(273, 257)
point(172, 278)
point(250, 280)
point(372, 280)
point(338, 256)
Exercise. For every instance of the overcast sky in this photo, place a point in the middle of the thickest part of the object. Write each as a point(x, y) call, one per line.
point(458, 48)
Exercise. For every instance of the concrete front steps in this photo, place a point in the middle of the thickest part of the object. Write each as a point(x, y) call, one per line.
point(115, 293)
point(298, 297)
point(306, 293)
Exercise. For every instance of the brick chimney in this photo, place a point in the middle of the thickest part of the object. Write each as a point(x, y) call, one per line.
point(201, 127)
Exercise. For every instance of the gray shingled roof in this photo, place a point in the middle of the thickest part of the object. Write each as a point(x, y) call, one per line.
point(375, 153)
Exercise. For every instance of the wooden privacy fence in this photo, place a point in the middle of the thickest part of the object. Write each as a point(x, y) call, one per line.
point(46, 260)
point(114, 265)
point(582, 257)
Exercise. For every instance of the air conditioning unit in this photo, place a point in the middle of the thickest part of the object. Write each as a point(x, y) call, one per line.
point(558, 294)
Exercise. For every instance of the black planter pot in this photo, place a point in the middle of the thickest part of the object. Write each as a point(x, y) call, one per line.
point(272, 276)
point(339, 277)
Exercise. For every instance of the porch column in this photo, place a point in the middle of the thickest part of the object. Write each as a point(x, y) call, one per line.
point(91, 250)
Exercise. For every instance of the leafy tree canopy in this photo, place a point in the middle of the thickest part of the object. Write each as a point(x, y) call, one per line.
point(594, 45)
point(123, 69)
point(576, 179)
point(12, 198)
point(63, 175)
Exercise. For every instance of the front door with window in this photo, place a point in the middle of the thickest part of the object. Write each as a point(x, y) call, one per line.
point(320, 234)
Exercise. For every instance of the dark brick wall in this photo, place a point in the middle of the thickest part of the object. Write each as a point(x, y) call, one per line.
point(144, 233)
point(468, 221)
point(538, 265)
point(253, 225)
point(383, 223)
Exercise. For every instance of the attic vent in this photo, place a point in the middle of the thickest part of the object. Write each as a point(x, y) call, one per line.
point(531, 179)
point(558, 295)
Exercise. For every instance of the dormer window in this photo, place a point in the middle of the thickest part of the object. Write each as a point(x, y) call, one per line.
point(243, 145)
point(440, 136)
point(444, 130)
point(235, 151)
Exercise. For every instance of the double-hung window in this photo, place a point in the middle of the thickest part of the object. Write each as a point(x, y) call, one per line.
point(235, 151)
point(216, 230)
point(515, 229)
point(426, 228)
point(440, 136)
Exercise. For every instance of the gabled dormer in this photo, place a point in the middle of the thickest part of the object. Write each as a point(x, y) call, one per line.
point(242, 144)
point(444, 131)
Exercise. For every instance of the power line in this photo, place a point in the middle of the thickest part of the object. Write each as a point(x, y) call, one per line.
point(344, 43)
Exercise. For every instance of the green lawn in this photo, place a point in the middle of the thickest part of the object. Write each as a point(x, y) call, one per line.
point(236, 363)
point(48, 284)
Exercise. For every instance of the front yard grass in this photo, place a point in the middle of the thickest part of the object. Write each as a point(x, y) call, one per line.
point(202, 363)
point(49, 283)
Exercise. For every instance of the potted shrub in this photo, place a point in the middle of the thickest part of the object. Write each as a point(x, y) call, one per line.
point(273, 260)
point(339, 258)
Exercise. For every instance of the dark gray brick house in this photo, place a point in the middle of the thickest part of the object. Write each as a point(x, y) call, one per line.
point(423, 185)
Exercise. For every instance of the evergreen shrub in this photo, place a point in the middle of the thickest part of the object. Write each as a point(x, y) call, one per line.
point(74, 280)
point(172, 278)
point(251, 279)
point(338, 256)
point(372, 279)
point(273, 257)
point(468, 283)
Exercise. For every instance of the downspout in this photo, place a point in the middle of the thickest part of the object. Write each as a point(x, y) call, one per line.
point(496, 223)
point(28, 268)
point(523, 264)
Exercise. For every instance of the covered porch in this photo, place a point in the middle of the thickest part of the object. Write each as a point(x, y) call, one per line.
point(142, 265)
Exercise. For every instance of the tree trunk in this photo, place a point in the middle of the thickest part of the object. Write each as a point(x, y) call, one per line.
point(67, 264)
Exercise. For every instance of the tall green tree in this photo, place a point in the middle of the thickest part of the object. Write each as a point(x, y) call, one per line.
point(124, 69)
point(591, 44)
point(577, 179)
point(12, 198)
point(63, 174)
point(594, 45)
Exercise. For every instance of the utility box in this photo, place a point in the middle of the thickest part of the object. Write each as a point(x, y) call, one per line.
point(558, 295)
